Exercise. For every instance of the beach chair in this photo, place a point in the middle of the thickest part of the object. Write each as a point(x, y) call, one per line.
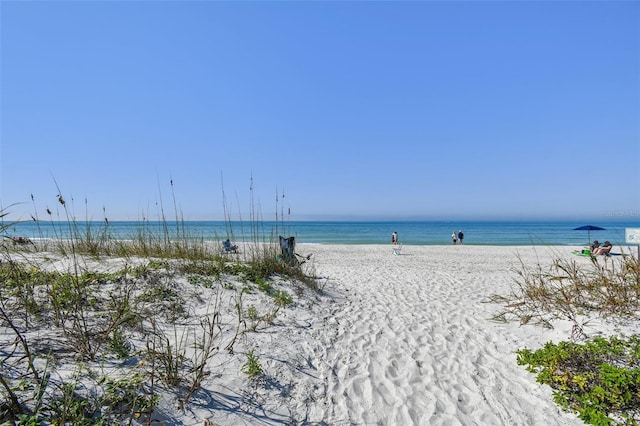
point(397, 249)
point(287, 248)
point(228, 247)
point(604, 249)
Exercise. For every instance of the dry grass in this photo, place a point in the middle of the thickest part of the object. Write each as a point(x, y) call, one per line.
point(143, 314)
point(607, 287)
point(599, 379)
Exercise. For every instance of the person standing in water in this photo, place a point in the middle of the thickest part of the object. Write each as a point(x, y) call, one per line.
point(454, 238)
point(460, 236)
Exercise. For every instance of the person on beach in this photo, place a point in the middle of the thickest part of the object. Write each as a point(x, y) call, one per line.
point(591, 248)
point(605, 249)
point(460, 236)
point(394, 238)
point(454, 238)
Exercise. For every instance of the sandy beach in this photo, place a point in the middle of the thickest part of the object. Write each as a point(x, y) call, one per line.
point(411, 341)
point(390, 340)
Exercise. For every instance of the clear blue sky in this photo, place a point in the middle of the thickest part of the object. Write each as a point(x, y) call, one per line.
point(356, 110)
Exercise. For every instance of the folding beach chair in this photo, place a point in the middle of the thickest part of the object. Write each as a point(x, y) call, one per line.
point(228, 247)
point(289, 255)
point(287, 247)
point(397, 249)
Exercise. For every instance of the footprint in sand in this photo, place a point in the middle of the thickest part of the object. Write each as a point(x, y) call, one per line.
point(467, 400)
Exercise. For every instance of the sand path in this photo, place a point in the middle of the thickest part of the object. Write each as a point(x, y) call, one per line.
point(412, 343)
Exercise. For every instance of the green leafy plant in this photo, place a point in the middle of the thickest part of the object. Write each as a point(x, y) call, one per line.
point(128, 397)
point(282, 298)
point(252, 367)
point(254, 317)
point(599, 380)
point(263, 284)
point(119, 344)
point(252, 313)
point(72, 408)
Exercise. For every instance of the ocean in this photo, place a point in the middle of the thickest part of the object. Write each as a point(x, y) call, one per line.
point(507, 233)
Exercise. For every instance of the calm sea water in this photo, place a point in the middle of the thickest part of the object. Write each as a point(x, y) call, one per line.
point(410, 232)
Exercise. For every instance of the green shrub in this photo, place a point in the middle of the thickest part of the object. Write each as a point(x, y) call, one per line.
point(119, 345)
point(599, 380)
point(252, 366)
point(72, 408)
point(128, 397)
point(252, 313)
point(282, 298)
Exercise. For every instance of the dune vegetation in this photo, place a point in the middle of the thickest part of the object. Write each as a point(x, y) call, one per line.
point(97, 330)
point(598, 378)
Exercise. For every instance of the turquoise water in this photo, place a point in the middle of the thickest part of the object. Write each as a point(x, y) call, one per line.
point(410, 232)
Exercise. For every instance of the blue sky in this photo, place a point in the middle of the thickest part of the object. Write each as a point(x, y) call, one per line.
point(353, 110)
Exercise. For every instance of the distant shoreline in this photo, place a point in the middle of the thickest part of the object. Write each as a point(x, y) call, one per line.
point(428, 233)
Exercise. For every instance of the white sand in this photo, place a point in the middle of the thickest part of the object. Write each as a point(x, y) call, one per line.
point(392, 340)
point(408, 340)
point(413, 344)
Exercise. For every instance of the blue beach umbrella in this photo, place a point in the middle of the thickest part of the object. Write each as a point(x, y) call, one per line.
point(589, 228)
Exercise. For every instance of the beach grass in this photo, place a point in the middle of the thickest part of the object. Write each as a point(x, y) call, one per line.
point(566, 289)
point(599, 379)
point(141, 315)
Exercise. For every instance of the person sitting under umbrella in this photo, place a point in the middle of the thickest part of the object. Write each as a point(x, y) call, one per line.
point(605, 249)
point(591, 248)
